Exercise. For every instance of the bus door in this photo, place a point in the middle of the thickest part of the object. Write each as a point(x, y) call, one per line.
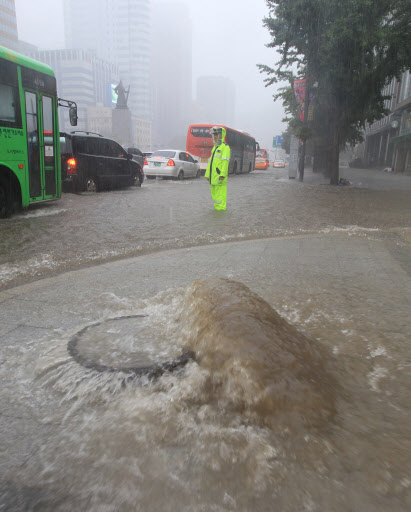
point(41, 145)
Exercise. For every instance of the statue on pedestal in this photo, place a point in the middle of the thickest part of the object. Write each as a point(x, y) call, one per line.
point(122, 95)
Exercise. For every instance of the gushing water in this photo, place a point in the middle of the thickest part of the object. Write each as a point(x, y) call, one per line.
point(258, 421)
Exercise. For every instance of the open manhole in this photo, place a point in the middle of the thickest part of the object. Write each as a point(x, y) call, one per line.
point(127, 344)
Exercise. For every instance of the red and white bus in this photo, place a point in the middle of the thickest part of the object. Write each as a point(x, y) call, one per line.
point(242, 146)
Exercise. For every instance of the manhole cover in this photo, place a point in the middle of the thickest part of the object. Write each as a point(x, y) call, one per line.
point(127, 344)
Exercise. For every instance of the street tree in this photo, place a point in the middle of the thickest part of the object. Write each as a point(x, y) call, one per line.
point(352, 49)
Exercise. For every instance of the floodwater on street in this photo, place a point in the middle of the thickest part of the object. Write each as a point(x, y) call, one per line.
point(296, 397)
point(81, 230)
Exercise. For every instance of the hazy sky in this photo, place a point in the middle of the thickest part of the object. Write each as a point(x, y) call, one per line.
point(228, 40)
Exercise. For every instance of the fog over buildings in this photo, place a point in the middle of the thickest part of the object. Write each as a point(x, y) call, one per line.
point(181, 59)
point(171, 73)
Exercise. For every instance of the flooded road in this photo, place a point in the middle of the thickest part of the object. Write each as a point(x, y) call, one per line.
point(296, 305)
point(83, 229)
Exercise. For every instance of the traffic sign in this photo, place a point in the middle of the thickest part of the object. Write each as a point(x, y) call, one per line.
point(277, 141)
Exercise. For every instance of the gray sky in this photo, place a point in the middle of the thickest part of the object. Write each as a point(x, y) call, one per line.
point(228, 40)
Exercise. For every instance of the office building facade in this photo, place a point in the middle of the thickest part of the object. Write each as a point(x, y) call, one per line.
point(8, 25)
point(388, 140)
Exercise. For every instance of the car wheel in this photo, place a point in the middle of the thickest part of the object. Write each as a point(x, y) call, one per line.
point(91, 185)
point(180, 176)
point(198, 175)
point(135, 180)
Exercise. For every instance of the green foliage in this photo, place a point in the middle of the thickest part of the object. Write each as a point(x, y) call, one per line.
point(353, 48)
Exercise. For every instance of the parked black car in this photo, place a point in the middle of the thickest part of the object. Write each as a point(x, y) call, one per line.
point(91, 162)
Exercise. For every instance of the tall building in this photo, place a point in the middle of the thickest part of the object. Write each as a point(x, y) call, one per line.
point(117, 31)
point(216, 100)
point(171, 74)
point(8, 25)
point(81, 77)
point(388, 140)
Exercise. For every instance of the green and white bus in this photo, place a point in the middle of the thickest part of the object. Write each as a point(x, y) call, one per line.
point(29, 132)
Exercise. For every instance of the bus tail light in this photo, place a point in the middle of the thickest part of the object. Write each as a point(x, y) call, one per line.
point(71, 166)
point(171, 163)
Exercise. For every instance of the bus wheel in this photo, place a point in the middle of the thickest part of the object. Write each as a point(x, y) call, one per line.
point(180, 176)
point(3, 202)
point(91, 185)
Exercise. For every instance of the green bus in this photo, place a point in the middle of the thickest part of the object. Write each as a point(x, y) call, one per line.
point(29, 132)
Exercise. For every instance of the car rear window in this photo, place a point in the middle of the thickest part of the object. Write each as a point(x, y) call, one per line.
point(163, 154)
point(86, 145)
point(134, 151)
point(65, 145)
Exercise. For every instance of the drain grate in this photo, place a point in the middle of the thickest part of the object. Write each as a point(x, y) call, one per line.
point(151, 371)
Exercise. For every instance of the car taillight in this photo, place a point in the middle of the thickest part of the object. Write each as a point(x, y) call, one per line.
point(145, 161)
point(71, 166)
point(171, 163)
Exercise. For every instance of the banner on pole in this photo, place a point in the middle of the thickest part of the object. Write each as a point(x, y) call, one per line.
point(300, 93)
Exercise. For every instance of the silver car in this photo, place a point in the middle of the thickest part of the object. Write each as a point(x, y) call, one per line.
point(171, 163)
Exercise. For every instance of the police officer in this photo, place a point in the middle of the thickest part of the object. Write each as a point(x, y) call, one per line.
point(217, 168)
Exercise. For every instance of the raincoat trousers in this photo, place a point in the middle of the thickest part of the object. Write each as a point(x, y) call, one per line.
point(218, 167)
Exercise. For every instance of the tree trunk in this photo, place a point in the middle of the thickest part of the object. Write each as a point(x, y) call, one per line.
point(321, 152)
point(335, 144)
point(302, 162)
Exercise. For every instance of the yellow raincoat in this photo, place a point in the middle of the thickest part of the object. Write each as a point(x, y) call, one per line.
point(218, 168)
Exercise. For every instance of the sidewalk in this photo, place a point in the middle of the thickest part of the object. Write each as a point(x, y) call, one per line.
point(274, 268)
point(371, 178)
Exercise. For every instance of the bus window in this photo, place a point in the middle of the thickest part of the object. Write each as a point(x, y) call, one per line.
point(200, 131)
point(8, 110)
point(10, 115)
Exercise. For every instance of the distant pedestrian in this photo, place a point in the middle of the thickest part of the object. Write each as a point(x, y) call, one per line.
point(217, 168)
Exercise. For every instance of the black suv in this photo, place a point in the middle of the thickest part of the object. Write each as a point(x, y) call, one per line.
point(92, 162)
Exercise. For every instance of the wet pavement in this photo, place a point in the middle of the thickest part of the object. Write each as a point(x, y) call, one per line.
point(73, 440)
point(84, 230)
